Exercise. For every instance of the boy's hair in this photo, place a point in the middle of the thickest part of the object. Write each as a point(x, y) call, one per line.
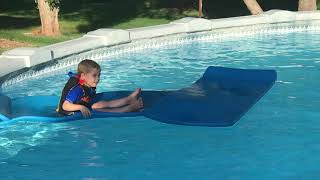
point(85, 66)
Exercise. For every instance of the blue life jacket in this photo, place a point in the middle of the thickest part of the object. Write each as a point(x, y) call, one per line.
point(87, 93)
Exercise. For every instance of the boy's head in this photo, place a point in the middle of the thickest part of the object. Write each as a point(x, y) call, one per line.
point(89, 71)
point(86, 66)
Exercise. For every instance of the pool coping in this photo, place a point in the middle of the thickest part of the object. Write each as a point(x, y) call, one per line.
point(21, 59)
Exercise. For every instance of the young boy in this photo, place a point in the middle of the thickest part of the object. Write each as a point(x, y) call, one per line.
point(79, 91)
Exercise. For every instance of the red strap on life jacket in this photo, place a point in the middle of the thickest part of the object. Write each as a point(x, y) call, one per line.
point(81, 81)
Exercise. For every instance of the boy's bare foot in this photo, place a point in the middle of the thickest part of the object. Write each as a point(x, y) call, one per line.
point(135, 94)
point(136, 105)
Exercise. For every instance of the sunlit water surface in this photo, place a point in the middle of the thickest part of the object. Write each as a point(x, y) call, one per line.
point(277, 139)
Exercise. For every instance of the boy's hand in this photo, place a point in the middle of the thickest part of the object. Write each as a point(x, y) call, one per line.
point(85, 112)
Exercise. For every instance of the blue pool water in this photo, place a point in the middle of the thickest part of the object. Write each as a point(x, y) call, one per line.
point(277, 139)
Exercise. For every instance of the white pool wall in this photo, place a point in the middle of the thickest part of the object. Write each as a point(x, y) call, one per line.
point(23, 58)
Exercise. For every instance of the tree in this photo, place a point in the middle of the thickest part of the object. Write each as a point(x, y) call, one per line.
point(48, 11)
point(253, 6)
point(307, 5)
point(200, 8)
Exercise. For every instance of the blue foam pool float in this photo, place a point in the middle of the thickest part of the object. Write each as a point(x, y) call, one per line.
point(219, 98)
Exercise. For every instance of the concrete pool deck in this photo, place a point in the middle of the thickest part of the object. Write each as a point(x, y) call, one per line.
point(21, 59)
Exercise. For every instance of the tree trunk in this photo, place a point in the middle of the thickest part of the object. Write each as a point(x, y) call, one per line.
point(307, 5)
point(49, 19)
point(253, 6)
point(200, 8)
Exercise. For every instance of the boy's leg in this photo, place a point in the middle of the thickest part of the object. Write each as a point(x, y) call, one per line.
point(118, 102)
point(136, 105)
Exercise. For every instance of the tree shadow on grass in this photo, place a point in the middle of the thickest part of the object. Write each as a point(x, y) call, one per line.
point(16, 14)
point(96, 14)
point(99, 15)
point(106, 14)
point(226, 8)
point(233, 8)
point(9, 22)
point(290, 5)
point(90, 14)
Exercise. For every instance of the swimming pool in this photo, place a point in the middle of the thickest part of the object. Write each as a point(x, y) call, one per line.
point(276, 139)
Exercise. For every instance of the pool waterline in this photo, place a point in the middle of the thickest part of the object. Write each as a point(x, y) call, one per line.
point(218, 35)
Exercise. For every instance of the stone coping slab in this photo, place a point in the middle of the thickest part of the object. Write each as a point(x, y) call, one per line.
point(155, 31)
point(9, 64)
point(30, 56)
point(239, 21)
point(73, 46)
point(110, 37)
point(192, 24)
point(21, 58)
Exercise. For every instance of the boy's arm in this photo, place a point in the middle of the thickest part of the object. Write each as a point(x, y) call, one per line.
point(72, 97)
point(68, 106)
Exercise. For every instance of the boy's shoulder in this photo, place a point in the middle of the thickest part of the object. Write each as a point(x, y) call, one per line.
point(72, 82)
point(74, 92)
point(77, 88)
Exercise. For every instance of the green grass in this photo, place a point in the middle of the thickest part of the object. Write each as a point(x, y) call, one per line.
point(19, 18)
point(18, 23)
point(23, 32)
point(154, 17)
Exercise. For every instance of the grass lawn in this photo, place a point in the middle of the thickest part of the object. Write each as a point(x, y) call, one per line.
point(19, 18)
point(18, 24)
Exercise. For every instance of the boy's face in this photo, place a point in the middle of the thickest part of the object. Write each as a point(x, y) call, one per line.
point(92, 78)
